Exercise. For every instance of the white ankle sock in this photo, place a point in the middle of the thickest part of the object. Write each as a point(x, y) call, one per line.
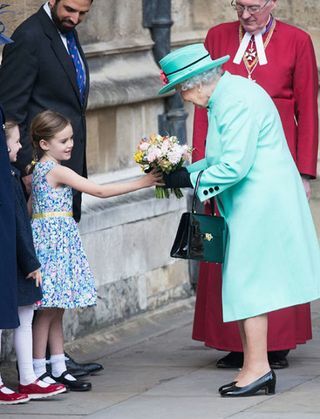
point(39, 366)
point(43, 384)
point(58, 366)
point(48, 380)
point(4, 390)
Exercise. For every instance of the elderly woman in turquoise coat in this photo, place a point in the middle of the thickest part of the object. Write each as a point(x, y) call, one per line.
point(249, 169)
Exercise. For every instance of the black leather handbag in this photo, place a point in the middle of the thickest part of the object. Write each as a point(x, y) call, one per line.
point(200, 237)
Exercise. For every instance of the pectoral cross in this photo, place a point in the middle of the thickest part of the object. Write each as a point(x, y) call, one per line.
point(251, 54)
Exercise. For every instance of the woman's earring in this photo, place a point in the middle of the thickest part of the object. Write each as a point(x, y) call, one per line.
point(9, 149)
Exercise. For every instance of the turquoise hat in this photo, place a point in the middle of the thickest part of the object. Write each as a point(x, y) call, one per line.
point(184, 63)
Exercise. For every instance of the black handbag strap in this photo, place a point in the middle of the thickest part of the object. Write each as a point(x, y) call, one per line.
point(194, 199)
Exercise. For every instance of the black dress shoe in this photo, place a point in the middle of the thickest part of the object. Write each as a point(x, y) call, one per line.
point(278, 360)
point(80, 370)
point(267, 383)
point(76, 385)
point(232, 360)
point(77, 373)
point(225, 386)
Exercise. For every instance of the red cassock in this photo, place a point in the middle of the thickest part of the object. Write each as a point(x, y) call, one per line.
point(291, 79)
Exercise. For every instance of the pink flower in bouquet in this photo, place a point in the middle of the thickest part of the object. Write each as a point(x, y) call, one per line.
point(175, 155)
point(163, 153)
point(144, 145)
point(165, 146)
point(153, 153)
point(186, 153)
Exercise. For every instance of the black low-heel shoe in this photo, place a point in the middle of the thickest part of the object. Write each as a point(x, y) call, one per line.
point(79, 370)
point(226, 386)
point(266, 383)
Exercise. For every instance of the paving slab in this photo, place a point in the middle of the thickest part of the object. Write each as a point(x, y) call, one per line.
point(154, 370)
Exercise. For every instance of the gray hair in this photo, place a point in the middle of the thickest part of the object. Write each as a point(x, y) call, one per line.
point(204, 78)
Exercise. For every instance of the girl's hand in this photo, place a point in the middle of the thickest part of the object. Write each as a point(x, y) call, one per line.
point(154, 178)
point(36, 275)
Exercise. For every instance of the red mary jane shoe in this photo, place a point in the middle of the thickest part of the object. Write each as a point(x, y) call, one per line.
point(34, 391)
point(13, 398)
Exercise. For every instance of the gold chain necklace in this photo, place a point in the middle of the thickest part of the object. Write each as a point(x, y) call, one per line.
point(250, 66)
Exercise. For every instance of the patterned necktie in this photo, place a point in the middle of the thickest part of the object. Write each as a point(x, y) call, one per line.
point(73, 51)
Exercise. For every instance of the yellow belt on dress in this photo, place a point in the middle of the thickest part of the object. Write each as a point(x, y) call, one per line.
point(52, 214)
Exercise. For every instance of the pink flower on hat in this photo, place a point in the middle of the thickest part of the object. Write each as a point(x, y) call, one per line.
point(163, 77)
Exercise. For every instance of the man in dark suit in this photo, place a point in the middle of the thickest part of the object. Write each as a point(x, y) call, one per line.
point(45, 68)
point(40, 71)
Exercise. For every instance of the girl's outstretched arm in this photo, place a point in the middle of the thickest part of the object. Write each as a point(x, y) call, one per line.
point(61, 175)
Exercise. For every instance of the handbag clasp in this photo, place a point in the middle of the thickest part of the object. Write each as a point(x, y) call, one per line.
point(207, 236)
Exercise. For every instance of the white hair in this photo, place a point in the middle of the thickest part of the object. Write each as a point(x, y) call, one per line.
point(206, 77)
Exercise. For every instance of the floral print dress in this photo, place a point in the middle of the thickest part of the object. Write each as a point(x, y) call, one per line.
point(67, 281)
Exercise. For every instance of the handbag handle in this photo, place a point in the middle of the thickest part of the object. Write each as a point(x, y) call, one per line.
point(195, 196)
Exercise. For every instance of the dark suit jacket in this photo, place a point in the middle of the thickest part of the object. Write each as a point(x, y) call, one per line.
point(8, 260)
point(27, 260)
point(37, 73)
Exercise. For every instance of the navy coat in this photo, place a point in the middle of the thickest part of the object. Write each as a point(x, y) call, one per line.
point(8, 260)
point(27, 260)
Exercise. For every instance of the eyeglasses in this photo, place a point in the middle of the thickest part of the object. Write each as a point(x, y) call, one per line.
point(252, 10)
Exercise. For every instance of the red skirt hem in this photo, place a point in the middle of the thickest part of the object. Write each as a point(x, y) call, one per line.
point(287, 327)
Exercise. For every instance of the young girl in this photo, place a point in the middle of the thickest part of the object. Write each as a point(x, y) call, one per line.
point(29, 281)
point(67, 279)
point(8, 265)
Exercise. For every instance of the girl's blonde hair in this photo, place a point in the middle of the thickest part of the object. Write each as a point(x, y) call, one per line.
point(8, 126)
point(44, 126)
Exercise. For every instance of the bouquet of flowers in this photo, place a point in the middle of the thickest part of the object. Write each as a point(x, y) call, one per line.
point(163, 153)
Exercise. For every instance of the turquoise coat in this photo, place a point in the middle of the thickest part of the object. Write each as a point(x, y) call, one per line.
point(272, 257)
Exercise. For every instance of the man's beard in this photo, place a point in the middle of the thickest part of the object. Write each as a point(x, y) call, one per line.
point(59, 23)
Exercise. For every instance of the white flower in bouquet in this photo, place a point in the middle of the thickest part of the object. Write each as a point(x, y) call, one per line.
point(163, 153)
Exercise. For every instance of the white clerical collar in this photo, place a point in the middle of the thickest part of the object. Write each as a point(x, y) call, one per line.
point(244, 45)
point(259, 46)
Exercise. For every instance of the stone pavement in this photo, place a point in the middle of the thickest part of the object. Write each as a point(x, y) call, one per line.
point(153, 370)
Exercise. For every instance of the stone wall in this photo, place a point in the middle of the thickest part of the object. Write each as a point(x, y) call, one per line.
point(128, 238)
